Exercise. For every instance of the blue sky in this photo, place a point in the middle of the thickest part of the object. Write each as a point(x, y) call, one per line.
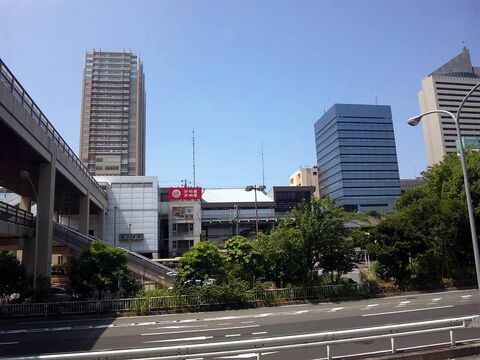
point(241, 72)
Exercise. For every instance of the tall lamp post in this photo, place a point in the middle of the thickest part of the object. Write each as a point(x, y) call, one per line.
point(415, 121)
point(115, 226)
point(26, 175)
point(255, 188)
point(129, 237)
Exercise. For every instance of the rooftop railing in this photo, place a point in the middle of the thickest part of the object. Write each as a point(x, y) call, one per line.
point(20, 94)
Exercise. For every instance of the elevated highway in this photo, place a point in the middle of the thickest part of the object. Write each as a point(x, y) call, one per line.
point(53, 176)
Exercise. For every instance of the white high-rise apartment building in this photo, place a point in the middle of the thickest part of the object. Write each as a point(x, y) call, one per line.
point(112, 140)
point(444, 89)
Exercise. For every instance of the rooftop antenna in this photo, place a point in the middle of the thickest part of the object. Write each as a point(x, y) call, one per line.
point(263, 166)
point(376, 102)
point(193, 150)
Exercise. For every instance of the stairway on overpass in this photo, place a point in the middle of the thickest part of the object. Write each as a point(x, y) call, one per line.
point(138, 264)
point(17, 220)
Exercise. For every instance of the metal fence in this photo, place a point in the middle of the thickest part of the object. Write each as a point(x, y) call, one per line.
point(20, 94)
point(327, 339)
point(143, 305)
point(15, 215)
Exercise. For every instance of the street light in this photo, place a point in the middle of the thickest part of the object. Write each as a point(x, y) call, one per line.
point(25, 175)
point(115, 226)
point(255, 188)
point(415, 121)
point(129, 237)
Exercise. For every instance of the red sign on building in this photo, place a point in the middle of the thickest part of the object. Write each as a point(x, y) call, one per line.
point(185, 194)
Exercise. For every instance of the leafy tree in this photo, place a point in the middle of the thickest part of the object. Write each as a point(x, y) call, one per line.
point(12, 276)
point(393, 244)
point(201, 262)
point(327, 241)
point(434, 219)
point(101, 268)
point(243, 259)
point(283, 254)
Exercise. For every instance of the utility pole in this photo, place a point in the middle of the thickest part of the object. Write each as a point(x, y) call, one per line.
point(236, 217)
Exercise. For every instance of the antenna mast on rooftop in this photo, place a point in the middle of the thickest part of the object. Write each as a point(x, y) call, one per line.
point(263, 167)
point(193, 154)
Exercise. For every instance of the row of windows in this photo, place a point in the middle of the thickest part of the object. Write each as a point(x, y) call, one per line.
point(132, 185)
point(107, 168)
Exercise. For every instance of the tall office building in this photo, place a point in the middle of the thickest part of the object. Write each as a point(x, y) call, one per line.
point(112, 140)
point(444, 89)
point(357, 158)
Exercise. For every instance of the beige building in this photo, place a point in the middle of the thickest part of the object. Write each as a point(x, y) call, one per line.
point(112, 133)
point(444, 89)
point(307, 176)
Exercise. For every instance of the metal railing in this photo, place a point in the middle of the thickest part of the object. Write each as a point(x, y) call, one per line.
point(180, 301)
point(136, 263)
point(14, 215)
point(258, 346)
point(20, 94)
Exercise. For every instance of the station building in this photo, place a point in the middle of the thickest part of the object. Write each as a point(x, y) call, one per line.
point(162, 222)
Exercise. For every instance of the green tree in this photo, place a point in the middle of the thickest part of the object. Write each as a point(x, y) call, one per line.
point(283, 254)
point(394, 244)
point(201, 262)
point(101, 268)
point(243, 259)
point(326, 239)
point(431, 224)
point(12, 276)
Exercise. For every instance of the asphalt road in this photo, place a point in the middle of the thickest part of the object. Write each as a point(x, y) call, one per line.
point(55, 336)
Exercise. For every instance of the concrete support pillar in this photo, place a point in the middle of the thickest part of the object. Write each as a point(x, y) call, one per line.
point(56, 216)
point(84, 214)
point(101, 224)
point(46, 197)
point(25, 203)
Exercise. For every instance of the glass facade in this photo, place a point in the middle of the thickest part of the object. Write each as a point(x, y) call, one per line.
point(357, 158)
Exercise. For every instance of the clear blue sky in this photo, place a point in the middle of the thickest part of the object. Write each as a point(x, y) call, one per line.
point(241, 72)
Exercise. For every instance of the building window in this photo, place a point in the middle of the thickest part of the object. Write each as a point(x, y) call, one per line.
point(182, 229)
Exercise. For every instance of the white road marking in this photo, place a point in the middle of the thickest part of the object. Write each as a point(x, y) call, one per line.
point(436, 299)
point(10, 343)
point(336, 309)
point(232, 335)
point(247, 322)
point(259, 333)
point(403, 303)
point(223, 324)
point(466, 296)
point(181, 327)
point(197, 338)
point(224, 318)
point(410, 310)
point(301, 312)
point(201, 330)
point(263, 315)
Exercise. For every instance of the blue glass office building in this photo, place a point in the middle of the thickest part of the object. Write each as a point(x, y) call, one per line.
point(357, 158)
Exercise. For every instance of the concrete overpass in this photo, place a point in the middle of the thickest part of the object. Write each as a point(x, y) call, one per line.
point(17, 229)
point(29, 142)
